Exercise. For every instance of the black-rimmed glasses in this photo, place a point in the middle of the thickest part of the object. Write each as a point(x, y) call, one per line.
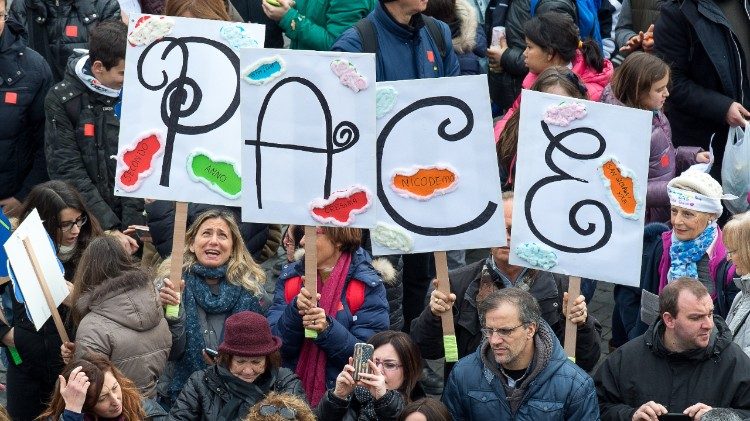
point(286, 413)
point(79, 222)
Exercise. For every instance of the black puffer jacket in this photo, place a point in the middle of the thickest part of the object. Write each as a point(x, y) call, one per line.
point(161, 225)
point(206, 394)
point(547, 288)
point(506, 86)
point(56, 27)
point(85, 161)
point(644, 370)
point(332, 408)
point(25, 79)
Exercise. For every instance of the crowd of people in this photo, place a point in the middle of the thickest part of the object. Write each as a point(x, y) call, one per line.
point(239, 346)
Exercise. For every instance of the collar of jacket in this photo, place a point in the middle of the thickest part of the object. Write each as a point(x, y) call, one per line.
point(12, 47)
point(720, 339)
point(403, 32)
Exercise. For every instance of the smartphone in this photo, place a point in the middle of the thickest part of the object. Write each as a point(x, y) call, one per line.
point(141, 231)
point(211, 353)
point(674, 416)
point(362, 354)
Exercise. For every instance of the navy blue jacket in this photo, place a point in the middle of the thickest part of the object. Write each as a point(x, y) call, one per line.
point(25, 79)
point(561, 390)
point(404, 52)
point(345, 330)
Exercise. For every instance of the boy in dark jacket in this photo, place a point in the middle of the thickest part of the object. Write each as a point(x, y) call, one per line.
point(25, 79)
point(82, 130)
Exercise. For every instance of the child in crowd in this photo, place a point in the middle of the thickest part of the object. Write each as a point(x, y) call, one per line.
point(642, 81)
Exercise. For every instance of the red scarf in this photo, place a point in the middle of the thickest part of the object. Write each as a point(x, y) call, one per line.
point(311, 365)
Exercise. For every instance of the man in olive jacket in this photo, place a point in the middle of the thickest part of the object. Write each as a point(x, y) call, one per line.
point(685, 363)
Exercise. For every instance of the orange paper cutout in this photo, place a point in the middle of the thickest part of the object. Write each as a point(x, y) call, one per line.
point(424, 182)
point(621, 187)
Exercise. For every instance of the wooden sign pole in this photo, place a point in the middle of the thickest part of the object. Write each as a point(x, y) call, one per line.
point(571, 329)
point(45, 290)
point(178, 250)
point(311, 268)
point(444, 286)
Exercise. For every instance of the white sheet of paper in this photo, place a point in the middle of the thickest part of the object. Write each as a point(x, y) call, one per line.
point(549, 205)
point(298, 117)
point(649, 307)
point(20, 261)
point(201, 64)
point(469, 211)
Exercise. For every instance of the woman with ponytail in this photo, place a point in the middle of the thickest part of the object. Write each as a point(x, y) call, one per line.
point(552, 39)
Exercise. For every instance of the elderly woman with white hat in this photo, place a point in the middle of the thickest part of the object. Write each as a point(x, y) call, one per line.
point(692, 248)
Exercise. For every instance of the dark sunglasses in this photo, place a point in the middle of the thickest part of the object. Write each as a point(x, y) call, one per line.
point(287, 413)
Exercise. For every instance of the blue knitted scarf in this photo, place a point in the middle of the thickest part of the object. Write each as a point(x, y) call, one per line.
point(230, 299)
point(684, 255)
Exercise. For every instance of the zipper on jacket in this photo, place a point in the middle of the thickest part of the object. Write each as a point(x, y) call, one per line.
point(741, 74)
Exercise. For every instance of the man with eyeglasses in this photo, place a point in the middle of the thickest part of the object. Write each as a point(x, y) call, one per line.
point(25, 79)
point(520, 371)
point(685, 363)
point(473, 283)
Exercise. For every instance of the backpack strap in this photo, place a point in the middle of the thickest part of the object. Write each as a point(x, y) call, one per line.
point(722, 285)
point(368, 34)
point(355, 295)
point(355, 292)
point(436, 34)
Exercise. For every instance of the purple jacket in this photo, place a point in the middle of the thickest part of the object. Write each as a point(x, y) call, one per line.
point(664, 162)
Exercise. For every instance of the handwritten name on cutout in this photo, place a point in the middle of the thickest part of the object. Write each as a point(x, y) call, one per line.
point(424, 182)
point(138, 159)
point(219, 176)
point(341, 206)
point(619, 181)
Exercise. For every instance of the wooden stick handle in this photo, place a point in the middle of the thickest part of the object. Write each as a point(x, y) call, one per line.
point(311, 268)
point(571, 329)
point(45, 290)
point(444, 286)
point(178, 249)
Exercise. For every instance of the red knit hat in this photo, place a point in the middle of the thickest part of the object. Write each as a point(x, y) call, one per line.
point(247, 334)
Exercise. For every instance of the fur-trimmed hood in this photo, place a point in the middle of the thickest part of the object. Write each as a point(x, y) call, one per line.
point(383, 266)
point(466, 39)
point(129, 299)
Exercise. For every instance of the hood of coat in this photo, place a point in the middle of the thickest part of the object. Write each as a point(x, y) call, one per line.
point(129, 299)
point(721, 338)
point(589, 75)
point(361, 263)
point(466, 39)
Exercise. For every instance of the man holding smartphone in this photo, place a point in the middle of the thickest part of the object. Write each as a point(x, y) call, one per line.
point(685, 364)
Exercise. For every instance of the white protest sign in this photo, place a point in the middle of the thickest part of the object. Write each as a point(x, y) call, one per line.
point(180, 126)
point(438, 182)
point(23, 269)
point(580, 188)
point(308, 124)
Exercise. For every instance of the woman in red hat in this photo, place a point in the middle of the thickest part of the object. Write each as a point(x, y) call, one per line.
point(247, 369)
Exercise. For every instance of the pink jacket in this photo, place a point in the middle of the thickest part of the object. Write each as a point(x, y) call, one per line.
point(594, 81)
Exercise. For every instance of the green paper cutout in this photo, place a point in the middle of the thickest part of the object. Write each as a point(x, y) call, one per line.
point(218, 175)
point(172, 311)
point(309, 333)
point(15, 355)
point(451, 348)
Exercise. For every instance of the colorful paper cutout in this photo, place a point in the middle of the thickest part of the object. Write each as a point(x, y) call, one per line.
point(218, 175)
point(537, 255)
point(238, 36)
point(137, 160)
point(620, 184)
point(264, 70)
point(392, 237)
point(149, 29)
point(340, 208)
point(564, 113)
point(348, 75)
point(273, 3)
point(424, 182)
point(385, 100)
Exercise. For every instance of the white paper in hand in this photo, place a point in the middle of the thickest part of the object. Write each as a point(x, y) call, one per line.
point(20, 261)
